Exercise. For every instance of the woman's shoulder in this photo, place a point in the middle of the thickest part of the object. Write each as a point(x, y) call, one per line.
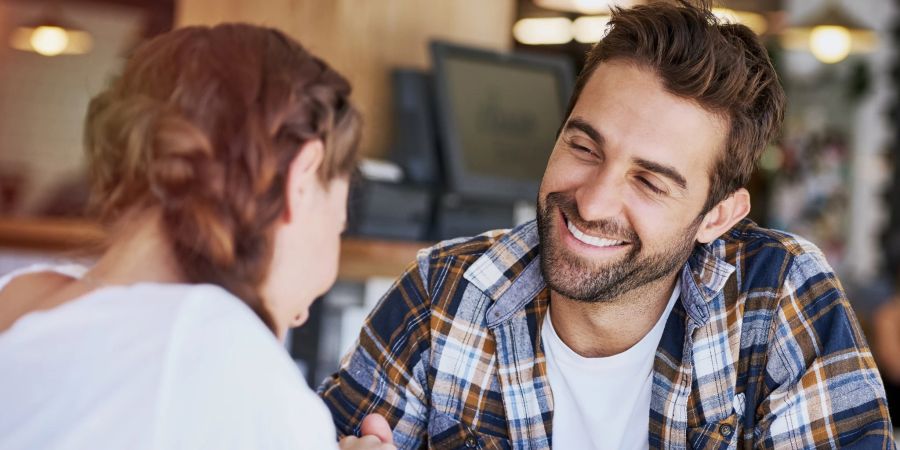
point(229, 375)
point(217, 334)
point(218, 319)
point(68, 270)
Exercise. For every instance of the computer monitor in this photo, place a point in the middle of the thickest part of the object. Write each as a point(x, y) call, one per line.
point(498, 115)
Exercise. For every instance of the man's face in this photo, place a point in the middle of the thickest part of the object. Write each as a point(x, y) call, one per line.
point(621, 198)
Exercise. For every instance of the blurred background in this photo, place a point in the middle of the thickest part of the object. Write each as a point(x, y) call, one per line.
point(462, 99)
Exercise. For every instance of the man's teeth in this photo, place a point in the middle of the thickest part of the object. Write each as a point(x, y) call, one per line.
point(591, 240)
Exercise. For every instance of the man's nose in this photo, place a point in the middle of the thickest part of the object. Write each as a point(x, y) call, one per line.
point(601, 197)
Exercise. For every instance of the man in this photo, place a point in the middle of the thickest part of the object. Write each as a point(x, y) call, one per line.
point(641, 309)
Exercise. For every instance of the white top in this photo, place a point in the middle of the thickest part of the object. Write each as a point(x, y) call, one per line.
point(602, 403)
point(153, 366)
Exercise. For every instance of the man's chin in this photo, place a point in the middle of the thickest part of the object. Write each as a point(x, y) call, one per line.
point(564, 274)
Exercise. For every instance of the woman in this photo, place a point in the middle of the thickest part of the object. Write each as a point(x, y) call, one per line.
point(219, 162)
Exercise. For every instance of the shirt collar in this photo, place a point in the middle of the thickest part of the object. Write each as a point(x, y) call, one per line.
point(703, 278)
point(509, 273)
point(497, 269)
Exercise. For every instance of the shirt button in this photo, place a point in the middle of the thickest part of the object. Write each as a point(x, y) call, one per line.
point(471, 442)
point(726, 430)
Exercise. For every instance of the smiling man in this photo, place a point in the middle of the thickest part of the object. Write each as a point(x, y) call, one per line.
point(641, 309)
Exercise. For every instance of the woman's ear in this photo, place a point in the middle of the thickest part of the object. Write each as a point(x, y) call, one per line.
point(723, 216)
point(302, 174)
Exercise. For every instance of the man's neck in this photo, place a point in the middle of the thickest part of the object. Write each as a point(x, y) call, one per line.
point(610, 327)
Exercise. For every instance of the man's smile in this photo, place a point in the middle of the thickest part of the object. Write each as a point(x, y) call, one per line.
point(592, 240)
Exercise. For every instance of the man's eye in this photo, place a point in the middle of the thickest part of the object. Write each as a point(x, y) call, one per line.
point(652, 187)
point(579, 148)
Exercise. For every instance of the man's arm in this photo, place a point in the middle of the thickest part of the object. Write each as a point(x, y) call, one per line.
point(824, 389)
point(385, 373)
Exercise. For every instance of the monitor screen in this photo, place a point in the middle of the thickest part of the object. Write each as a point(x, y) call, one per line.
point(498, 115)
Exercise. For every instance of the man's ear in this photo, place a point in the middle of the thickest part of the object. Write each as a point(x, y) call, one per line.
point(302, 173)
point(723, 216)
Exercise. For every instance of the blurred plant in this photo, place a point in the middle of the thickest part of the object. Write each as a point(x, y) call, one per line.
point(811, 191)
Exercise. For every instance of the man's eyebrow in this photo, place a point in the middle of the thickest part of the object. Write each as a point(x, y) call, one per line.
point(577, 123)
point(663, 170)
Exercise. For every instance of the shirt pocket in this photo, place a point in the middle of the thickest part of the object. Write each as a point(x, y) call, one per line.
point(715, 435)
point(722, 434)
point(448, 432)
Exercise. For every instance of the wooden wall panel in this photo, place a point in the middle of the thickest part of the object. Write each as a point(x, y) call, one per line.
point(364, 39)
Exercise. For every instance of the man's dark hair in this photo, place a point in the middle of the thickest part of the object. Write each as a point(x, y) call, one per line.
point(723, 67)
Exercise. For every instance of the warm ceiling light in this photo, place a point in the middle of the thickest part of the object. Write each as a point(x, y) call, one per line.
point(586, 6)
point(753, 21)
point(51, 36)
point(831, 35)
point(49, 40)
point(591, 6)
point(543, 30)
point(590, 29)
point(830, 44)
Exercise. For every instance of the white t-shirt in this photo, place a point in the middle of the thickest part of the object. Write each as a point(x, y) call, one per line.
point(153, 366)
point(602, 403)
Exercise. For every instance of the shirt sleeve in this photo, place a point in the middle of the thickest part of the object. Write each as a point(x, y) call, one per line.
point(385, 371)
point(823, 387)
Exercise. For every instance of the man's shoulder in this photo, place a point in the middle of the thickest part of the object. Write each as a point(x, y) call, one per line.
point(755, 241)
point(502, 246)
point(492, 261)
point(469, 246)
point(455, 256)
point(770, 256)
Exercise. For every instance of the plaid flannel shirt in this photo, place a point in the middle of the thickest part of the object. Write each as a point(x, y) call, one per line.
point(762, 350)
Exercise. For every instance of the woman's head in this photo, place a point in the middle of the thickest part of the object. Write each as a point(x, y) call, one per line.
point(239, 139)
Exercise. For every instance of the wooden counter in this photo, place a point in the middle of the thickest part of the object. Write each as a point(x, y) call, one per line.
point(361, 258)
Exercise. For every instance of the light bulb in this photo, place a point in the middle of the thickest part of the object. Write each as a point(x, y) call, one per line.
point(590, 29)
point(49, 40)
point(592, 6)
point(753, 21)
point(830, 43)
point(543, 30)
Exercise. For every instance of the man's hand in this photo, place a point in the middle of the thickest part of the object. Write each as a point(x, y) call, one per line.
point(375, 435)
point(369, 442)
point(376, 425)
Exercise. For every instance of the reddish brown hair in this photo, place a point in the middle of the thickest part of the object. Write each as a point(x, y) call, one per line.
point(202, 125)
point(722, 67)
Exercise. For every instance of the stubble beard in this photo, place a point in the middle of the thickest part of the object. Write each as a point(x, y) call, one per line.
point(584, 281)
